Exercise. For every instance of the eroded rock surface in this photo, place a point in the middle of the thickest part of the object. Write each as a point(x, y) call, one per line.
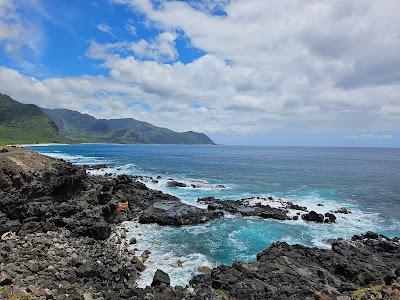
point(171, 212)
point(296, 272)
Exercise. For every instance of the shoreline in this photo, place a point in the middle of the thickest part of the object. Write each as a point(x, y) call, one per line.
point(83, 211)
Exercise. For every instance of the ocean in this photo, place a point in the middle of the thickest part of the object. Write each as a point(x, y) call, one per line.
point(364, 180)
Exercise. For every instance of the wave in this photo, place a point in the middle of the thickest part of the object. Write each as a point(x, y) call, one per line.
point(181, 268)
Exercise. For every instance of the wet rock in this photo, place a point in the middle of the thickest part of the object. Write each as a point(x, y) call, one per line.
point(296, 272)
point(175, 183)
point(204, 269)
point(138, 263)
point(160, 277)
point(145, 255)
point(343, 210)
point(313, 217)
point(296, 207)
point(176, 213)
point(330, 218)
point(243, 208)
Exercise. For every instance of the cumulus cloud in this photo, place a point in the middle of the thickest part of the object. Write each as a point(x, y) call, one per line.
point(162, 48)
point(17, 31)
point(315, 66)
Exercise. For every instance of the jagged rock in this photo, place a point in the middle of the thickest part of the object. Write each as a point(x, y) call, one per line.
point(296, 272)
point(175, 183)
point(138, 263)
point(343, 210)
point(176, 213)
point(330, 218)
point(242, 207)
point(145, 255)
point(160, 277)
point(296, 207)
point(313, 217)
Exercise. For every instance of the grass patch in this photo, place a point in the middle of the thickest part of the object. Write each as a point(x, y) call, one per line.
point(358, 294)
point(5, 293)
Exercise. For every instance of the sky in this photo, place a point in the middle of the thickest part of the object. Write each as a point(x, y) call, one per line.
point(262, 72)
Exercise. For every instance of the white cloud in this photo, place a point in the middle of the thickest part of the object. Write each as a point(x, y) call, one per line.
point(103, 27)
point(162, 48)
point(315, 66)
point(17, 31)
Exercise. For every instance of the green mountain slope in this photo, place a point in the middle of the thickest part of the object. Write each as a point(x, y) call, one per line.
point(25, 123)
point(85, 128)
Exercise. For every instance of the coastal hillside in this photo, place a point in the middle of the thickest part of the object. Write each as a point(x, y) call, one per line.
point(85, 128)
point(25, 123)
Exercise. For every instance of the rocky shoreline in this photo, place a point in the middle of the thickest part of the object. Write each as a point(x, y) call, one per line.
point(61, 239)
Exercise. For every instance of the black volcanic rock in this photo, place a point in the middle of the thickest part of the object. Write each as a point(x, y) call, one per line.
point(58, 241)
point(160, 277)
point(313, 216)
point(174, 183)
point(241, 207)
point(176, 213)
point(296, 272)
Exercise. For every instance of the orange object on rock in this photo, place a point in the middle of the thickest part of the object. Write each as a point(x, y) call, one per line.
point(122, 206)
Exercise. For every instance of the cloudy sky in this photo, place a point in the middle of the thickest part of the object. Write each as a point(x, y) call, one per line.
point(267, 72)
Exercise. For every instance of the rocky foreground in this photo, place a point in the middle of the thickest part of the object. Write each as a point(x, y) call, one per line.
point(60, 239)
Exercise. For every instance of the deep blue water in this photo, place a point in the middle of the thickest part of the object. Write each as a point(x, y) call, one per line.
point(365, 180)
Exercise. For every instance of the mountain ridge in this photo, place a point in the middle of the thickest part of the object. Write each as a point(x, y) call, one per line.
point(82, 127)
point(26, 123)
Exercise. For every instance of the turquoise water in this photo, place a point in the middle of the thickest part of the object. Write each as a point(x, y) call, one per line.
point(365, 180)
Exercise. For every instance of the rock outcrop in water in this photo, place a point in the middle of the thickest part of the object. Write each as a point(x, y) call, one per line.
point(286, 271)
point(175, 213)
point(261, 207)
point(59, 240)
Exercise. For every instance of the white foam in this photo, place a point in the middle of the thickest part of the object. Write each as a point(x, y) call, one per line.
point(150, 237)
point(76, 159)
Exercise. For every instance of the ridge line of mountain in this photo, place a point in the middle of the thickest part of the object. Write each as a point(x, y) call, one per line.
point(30, 124)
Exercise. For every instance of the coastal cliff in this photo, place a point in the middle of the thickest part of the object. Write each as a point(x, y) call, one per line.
point(61, 239)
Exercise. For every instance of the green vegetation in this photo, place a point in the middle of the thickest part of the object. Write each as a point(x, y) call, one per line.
point(25, 124)
point(5, 293)
point(29, 124)
point(85, 128)
point(358, 294)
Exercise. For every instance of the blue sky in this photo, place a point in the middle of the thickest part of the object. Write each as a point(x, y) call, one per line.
point(244, 72)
